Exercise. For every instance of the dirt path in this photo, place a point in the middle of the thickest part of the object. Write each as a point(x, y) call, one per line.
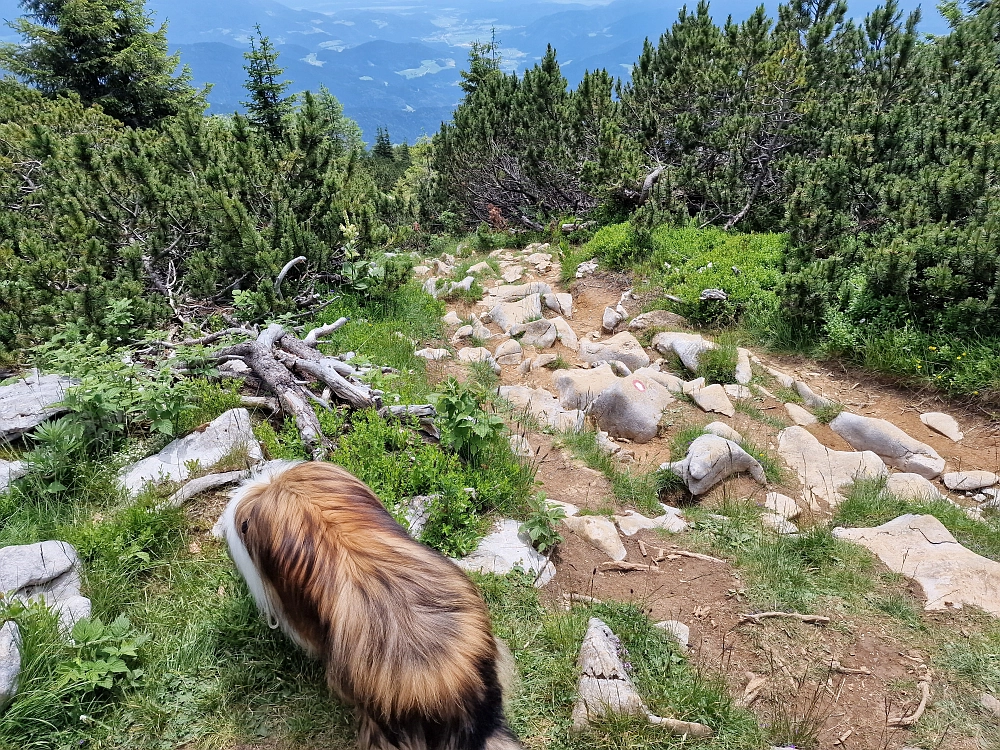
point(878, 661)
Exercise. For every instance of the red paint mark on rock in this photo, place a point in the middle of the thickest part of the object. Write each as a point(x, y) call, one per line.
point(639, 385)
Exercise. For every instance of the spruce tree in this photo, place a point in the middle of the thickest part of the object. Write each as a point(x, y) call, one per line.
point(383, 146)
point(106, 52)
point(268, 107)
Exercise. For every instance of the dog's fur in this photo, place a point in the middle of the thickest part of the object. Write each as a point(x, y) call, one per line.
point(403, 633)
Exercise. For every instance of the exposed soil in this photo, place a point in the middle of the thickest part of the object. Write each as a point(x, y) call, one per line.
point(851, 707)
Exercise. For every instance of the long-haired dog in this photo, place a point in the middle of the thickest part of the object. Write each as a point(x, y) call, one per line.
point(402, 632)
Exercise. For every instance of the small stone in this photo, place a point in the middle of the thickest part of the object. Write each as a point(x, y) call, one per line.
point(990, 703)
point(687, 346)
point(784, 379)
point(713, 294)
point(586, 268)
point(508, 314)
point(668, 380)
point(543, 360)
point(744, 372)
point(657, 319)
point(911, 487)
point(943, 423)
point(632, 523)
point(781, 525)
point(520, 291)
point(421, 270)
point(508, 353)
point(464, 332)
point(478, 354)
point(714, 399)
point(605, 688)
point(782, 505)
point(520, 446)
point(481, 267)
point(607, 444)
point(799, 415)
point(544, 407)
point(525, 367)
point(676, 630)
point(600, 532)
point(694, 385)
point(723, 431)
point(513, 274)
point(432, 354)
point(418, 513)
point(812, 400)
point(739, 392)
point(969, 480)
point(560, 303)
point(540, 334)
point(568, 509)
point(980, 498)
point(611, 320)
point(11, 471)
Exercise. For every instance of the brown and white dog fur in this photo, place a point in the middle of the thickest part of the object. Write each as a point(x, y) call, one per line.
point(403, 633)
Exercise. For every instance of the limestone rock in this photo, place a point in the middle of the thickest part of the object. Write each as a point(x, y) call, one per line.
point(714, 398)
point(464, 332)
point(579, 388)
point(779, 524)
point(480, 267)
point(567, 508)
point(784, 379)
point(739, 392)
point(421, 270)
point(744, 373)
point(709, 460)
point(631, 408)
point(990, 703)
point(26, 403)
point(225, 434)
point(544, 407)
point(505, 549)
point(560, 303)
point(632, 523)
point(610, 320)
point(723, 431)
point(800, 416)
point(48, 572)
point(676, 630)
point(543, 360)
point(890, 443)
point(508, 353)
point(606, 444)
point(432, 354)
point(600, 532)
point(969, 480)
point(605, 688)
point(512, 274)
point(509, 314)
point(520, 446)
point(540, 334)
point(668, 380)
point(687, 346)
point(624, 348)
point(538, 259)
point(782, 505)
point(912, 487)
point(824, 472)
point(566, 334)
point(520, 291)
point(418, 513)
point(921, 548)
point(10, 662)
point(943, 423)
point(10, 471)
point(586, 268)
point(478, 354)
point(812, 400)
point(657, 319)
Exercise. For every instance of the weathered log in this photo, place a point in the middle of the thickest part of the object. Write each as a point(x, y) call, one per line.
point(360, 397)
point(312, 338)
point(284, 272)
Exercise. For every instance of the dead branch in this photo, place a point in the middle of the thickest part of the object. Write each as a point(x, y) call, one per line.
point(682, 728)
point(810, 619)
point(312, 338)
point(202, 484)
point(925, 694)
point(693, 555)
point(625, 567)
point(260, 402)
point(284, 272)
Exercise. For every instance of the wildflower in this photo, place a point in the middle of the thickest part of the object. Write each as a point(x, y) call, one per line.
point(932, 348)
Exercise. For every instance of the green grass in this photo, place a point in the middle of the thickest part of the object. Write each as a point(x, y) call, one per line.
point(747, 407)
point(633, 488)
point(827, 413)
point(718, 365)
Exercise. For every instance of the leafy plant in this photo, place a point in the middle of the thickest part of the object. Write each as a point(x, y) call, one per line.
point(59, 446)
point(465, 426)
point(107, 656)
point(540, 525)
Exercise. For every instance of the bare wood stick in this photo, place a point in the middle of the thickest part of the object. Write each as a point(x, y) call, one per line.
point(683, 728)
point(642, 548)
point(284, 272)
point(925, 694)
point(260, 402)
point(693, 555)
point(201, 484)
point(312, 338)
point(625, 567)
point(413, 410)
point(836, 666)
point(360, 397)
point(581, 599)
point(810, 619)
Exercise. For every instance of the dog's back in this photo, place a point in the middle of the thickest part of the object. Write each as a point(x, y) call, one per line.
point(403, 633)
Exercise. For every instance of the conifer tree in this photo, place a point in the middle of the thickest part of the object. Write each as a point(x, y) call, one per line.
point(383, 146)
point(268, 107)
point(106, 52)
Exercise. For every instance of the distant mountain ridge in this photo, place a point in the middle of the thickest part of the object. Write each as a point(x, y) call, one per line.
point(398, 66)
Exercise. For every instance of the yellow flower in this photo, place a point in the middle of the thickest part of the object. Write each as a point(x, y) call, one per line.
point(932, 348)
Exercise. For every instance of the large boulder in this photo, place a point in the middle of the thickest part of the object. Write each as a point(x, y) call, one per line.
point(26, 403)
point(687, 346)
point(542, 405)
point(710, 459)
point(10, 662)
point(506, 548)
point(631, 408)
point(509, 314)
point(540, 334)
point(622, 348)
point(578, 388)
point(921, 548)
point(822, 471)
point(890, 443)
point(657, 319)
point(48, 572)
point(226, 434)
point(560, 303)
point(566, 334)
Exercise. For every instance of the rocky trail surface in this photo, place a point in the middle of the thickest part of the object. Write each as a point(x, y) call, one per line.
point(572, 357)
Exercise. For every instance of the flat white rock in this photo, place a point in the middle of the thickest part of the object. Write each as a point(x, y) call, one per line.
point(713, 398)
point(822, 471)
point(11, 471)
point(451, 319)
point(544, 407)
point(566, 335)
point(624, 348)
point(567, 508)
point(600, 532)
point(921, 548)
point(508, 353)
point(812, 400)
point(687, 346)
point(605, 687)
point(478, 354)
point(912, 487)
point(509, 314)
point(657, 319)
point(943, 423)
point(26, 403)
point(632, 523)
point(739, 392)
point(10, 662)
point(723, 431)
point(969, 480)
point(226, 433)
point(520, 446)
point(800, 416)
point(890, 443)
point(505, 549)
point(782, 505)
point(676, 630)
point(432, 355)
